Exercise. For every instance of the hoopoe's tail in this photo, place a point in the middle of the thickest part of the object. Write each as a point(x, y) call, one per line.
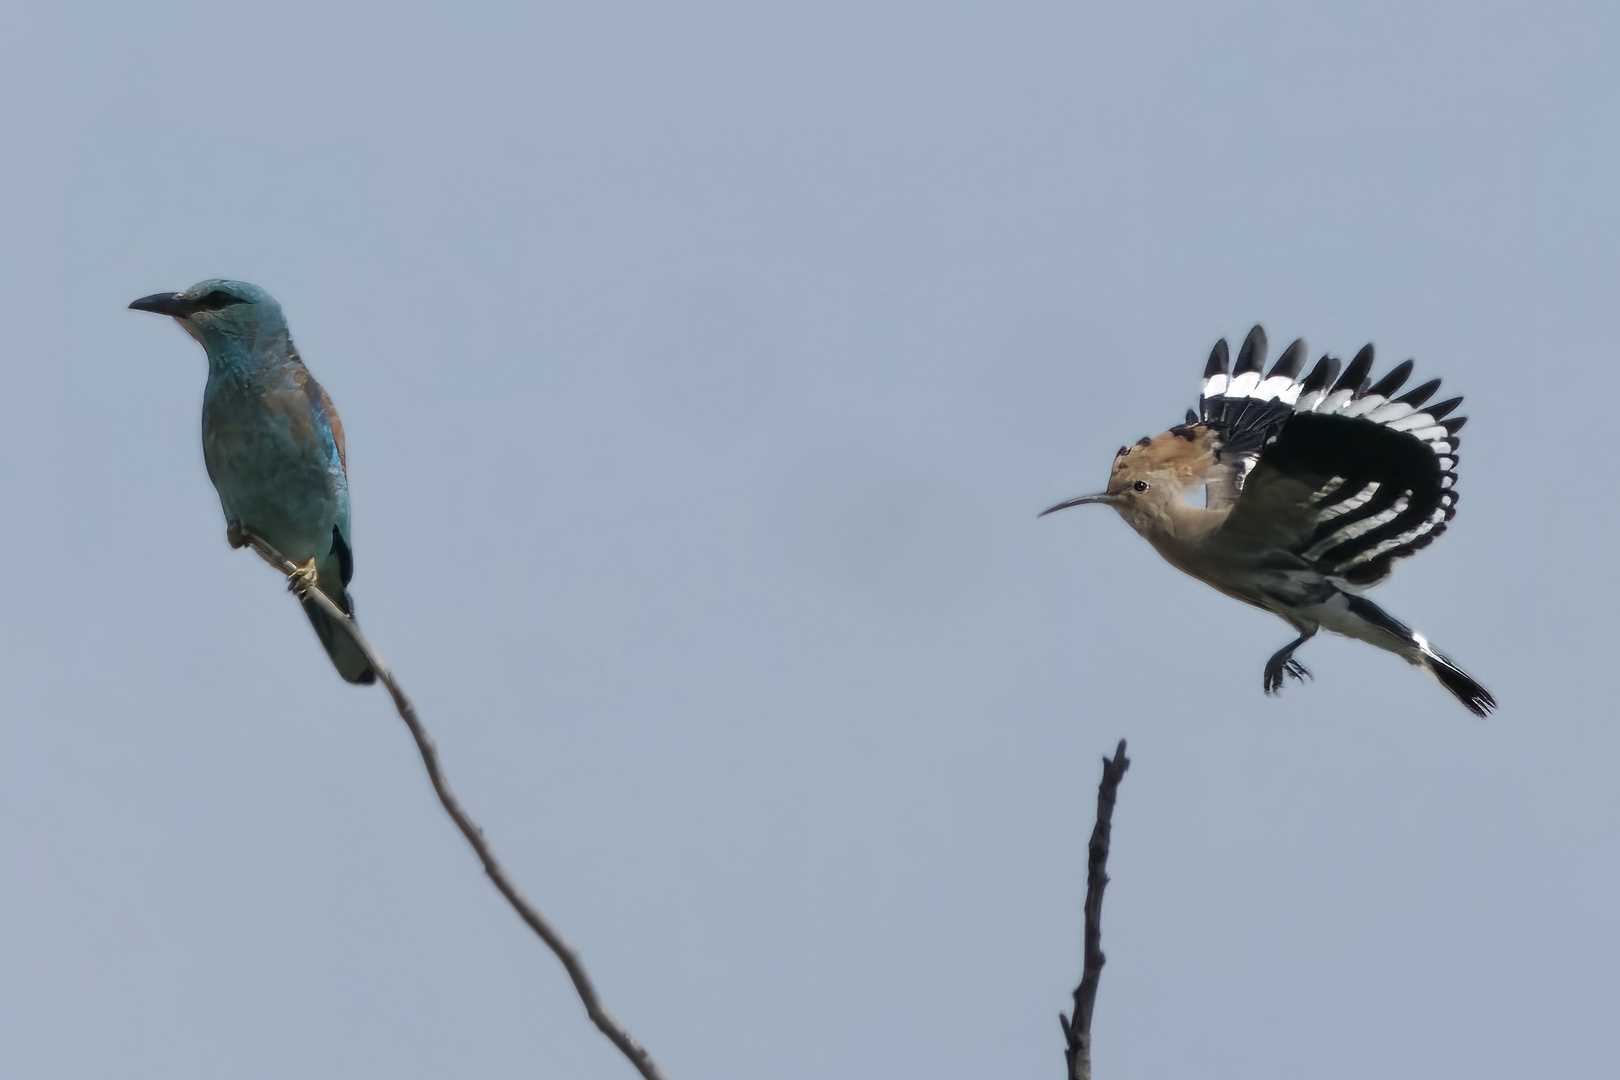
point(1474, 697)
point(1417, 651)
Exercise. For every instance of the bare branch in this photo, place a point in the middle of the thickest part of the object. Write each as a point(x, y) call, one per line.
point(475, 836)
point(1078, 1033)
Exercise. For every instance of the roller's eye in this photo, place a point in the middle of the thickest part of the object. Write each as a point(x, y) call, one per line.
point(1140, 485)
point(217, 299)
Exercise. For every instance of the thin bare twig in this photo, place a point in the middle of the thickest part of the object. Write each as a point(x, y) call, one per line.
point(1078, 1033)
point(475, 836)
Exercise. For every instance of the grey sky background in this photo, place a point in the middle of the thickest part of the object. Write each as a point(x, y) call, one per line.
point(704, 367)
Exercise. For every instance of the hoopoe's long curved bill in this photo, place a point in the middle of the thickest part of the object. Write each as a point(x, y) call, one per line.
point(1101, 497)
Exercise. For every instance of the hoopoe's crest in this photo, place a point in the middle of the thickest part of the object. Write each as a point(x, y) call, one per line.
point(1314, 487)
point(1182, 455)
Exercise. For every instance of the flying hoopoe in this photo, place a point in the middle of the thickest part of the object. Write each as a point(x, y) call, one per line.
point(1313, 488)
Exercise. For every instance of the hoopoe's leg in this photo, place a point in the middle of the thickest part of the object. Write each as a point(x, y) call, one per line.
point(1284, 663)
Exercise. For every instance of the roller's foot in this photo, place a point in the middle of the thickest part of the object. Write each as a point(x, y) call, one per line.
point(302, 580)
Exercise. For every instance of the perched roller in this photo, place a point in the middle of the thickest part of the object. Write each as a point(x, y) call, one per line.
point(273, 445)
point(1314, 487)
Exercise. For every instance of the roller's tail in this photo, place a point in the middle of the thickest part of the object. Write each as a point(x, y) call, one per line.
point(346, 655)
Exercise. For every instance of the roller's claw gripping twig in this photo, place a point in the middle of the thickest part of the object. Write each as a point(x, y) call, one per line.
point(302, 580)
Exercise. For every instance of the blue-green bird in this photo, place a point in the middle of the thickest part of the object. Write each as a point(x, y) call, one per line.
point(273, 444)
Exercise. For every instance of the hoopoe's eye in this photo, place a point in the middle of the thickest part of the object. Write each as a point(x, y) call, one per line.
point(1140, 485)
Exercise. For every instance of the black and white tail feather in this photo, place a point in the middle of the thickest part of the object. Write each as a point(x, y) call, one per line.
point(1336, 476)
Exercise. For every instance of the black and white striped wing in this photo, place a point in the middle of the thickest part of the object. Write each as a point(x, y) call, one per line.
point(1356, 477)
point(1246, 408)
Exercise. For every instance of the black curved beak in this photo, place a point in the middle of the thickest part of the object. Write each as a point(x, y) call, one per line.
point(164, 303)
point(1081, 501)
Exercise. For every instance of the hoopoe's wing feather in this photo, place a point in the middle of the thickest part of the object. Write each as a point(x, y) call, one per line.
point(1355, 477)
point(1246, 409)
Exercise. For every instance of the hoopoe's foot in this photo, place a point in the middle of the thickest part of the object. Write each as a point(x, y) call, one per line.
point(235, 535)
point(302, 580)
point(1283, 665)
point(1279, 666)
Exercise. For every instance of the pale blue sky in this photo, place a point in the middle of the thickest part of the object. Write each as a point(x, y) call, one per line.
point(704, 367)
